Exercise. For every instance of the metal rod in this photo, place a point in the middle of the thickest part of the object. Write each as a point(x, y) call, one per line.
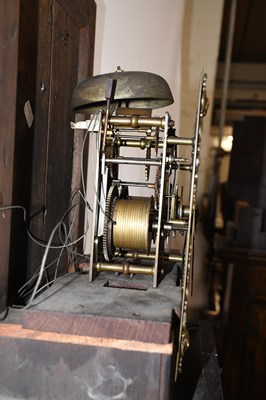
point(171, 141)
point(133, 143)
point(134, 184)
point(178, 222)
point(179, 141)
point(171, 225)
point(134, 134)
point(183, 167)
point(227, 68)
point(136, 121)
point(151, 256)
point(176, 162)
point(185, 211)
point(125, 268)
point(94, 252)
point(109, 95)
point(134, 161)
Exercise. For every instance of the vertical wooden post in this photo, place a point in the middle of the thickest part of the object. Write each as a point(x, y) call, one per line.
point(9, 34)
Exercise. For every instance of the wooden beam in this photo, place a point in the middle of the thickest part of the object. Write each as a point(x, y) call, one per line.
point(9, 34)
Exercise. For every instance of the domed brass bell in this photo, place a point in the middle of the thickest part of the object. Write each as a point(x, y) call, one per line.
point(134, 89)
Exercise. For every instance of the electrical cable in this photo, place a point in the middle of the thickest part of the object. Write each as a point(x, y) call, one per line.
point(23, 288)
point(65, 245)
point(57, 260)
point(5, 314)
point(67, 234)
point(61, 251)
point(38, 241)
point(5, 208)
point(52, 282)
point(62, 246)
point(43, 264)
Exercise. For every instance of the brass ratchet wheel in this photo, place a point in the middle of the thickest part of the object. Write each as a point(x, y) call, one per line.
point(112, 151)
point(108, 247)
point(157, 188)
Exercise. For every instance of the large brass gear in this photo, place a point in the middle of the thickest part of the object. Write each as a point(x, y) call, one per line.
point(157, 188)
point(113, 153)
point(156, 142)
point(174, 203)
point(147, 167)
point(108, 248)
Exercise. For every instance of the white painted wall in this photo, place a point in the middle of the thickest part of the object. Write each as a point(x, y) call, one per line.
point(141, 35)
point(200, 45)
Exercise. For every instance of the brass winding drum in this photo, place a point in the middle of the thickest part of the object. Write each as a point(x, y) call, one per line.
point(132, 221)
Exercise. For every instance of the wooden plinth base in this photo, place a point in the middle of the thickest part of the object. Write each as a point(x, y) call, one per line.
point(75, 306)
point(47, 365)
point(92, 341)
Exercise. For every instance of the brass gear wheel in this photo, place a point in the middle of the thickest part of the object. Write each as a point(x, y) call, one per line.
point(108, 248)
point(113, 168)
point(147, 167)
point(157, 188)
